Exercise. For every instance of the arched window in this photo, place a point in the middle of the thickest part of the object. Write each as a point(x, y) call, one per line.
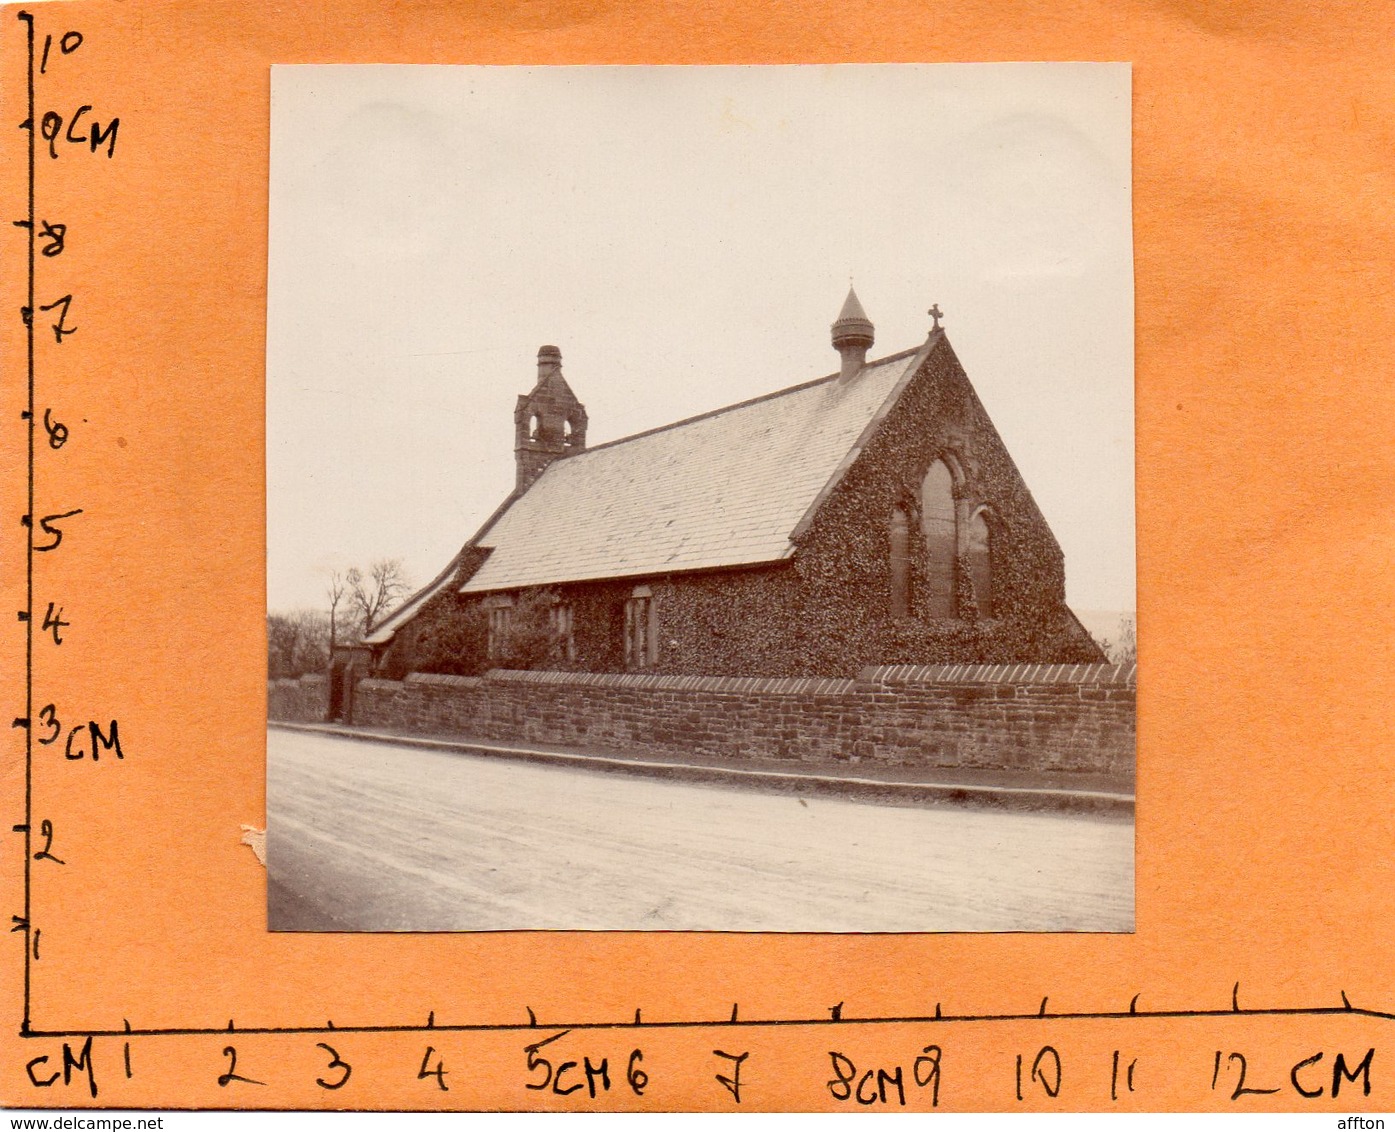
point(937, 523)
point(981, 562)
point(576, 428)
point(900, 563)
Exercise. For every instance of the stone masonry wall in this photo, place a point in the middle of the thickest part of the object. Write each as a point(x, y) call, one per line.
point(298, 701)
point(1076, 718)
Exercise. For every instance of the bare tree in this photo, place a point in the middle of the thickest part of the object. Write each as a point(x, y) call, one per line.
point(282, 639)
point(1126, 650)
point(372, 596)
point(335, 593)
point(297, 643)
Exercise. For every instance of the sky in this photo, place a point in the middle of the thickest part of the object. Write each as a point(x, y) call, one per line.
point(685, 235)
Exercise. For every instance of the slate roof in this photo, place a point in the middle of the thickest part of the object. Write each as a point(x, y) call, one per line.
point(729, 488)
point(725, 489)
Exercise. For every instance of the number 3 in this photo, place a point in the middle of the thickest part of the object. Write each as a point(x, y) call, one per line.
point(335, 1063)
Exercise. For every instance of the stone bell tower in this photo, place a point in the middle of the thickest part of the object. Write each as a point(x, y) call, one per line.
point(549, 422)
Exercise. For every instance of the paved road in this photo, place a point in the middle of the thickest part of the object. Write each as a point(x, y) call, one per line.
point(373, 837)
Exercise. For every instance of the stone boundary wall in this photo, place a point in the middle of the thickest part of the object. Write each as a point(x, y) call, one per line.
point(1077, 718)
point(298, 701)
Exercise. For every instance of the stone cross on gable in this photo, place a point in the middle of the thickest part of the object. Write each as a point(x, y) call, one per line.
point(937, 314)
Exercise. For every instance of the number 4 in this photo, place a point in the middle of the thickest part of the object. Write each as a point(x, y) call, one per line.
point(54, 622)
point(439, 1072)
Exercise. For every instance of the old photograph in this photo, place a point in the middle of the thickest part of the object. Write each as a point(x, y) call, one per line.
point(701, 499)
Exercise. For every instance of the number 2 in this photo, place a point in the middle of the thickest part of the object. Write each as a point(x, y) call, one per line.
point(224, 1079)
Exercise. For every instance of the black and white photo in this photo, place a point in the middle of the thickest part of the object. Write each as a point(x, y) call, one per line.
point(701, 498)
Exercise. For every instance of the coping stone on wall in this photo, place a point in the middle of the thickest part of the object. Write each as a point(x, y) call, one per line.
point(778, 685)
point(893, 674)
point(373, 683)
point(444, 679)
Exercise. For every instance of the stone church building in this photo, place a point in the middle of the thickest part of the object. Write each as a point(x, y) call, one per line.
point(871, 517)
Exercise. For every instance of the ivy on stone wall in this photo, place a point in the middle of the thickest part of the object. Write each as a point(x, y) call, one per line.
point(452, 636)
point(531, 640)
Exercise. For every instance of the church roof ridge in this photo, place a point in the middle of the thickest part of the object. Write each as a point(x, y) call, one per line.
point(803, 385)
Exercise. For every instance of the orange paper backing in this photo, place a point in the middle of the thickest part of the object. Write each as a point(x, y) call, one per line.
point(1263, 137)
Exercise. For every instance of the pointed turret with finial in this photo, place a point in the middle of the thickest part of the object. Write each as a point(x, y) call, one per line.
point(852, 335)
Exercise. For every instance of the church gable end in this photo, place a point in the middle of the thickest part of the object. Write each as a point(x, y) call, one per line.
point(930, 549)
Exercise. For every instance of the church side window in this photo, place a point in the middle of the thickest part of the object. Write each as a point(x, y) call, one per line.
point(937, 519)
point(641, 631)
point(500, 610)
point(900, 563)
point(980, 562)
point(560, 620)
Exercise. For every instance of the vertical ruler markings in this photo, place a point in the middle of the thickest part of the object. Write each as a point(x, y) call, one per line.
point(29, 525)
